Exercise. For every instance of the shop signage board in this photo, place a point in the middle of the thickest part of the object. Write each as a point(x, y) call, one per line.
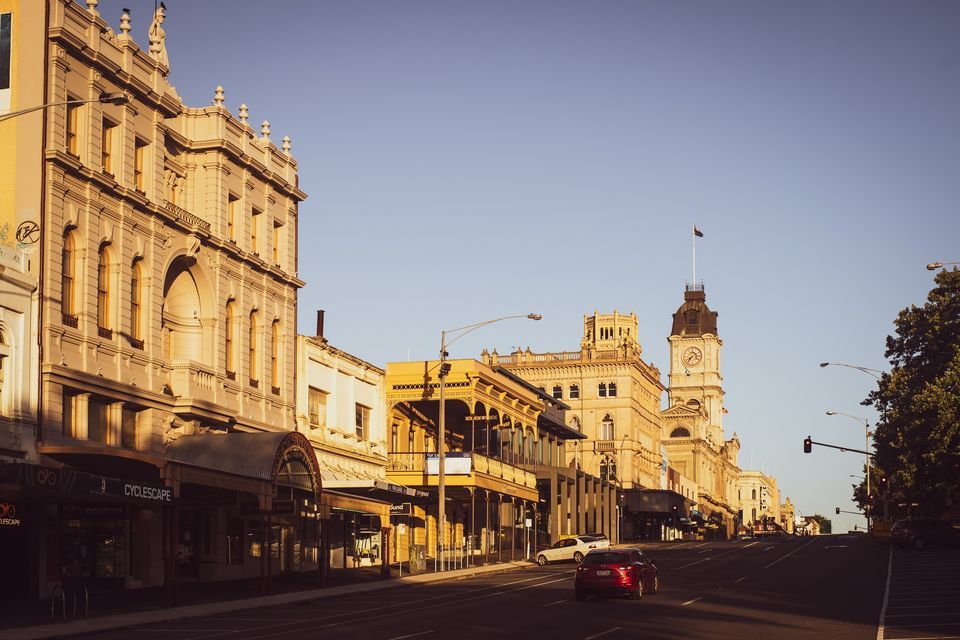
point(402, 509)
point(8, 515)
point(454, 464)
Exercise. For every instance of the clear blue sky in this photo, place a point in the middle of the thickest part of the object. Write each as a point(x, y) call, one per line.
point(467, 160)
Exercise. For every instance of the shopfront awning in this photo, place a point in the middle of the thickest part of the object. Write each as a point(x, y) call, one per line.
point(361, 484)
point(661, 501)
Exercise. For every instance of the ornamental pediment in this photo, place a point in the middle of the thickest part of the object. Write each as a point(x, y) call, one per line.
point(680, 411)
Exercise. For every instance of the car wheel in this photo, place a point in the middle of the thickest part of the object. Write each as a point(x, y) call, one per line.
point(656, 585)
point(542, 560)
point(918, 543)
point(638, 592)
point(577, 557)
point(581, 596)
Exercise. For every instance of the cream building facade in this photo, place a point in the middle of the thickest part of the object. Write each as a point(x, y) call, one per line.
point(167, 267)
point(760, 499)
point(693, 434)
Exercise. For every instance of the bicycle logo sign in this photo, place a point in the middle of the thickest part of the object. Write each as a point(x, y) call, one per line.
point(8, 515)
point(45, 477)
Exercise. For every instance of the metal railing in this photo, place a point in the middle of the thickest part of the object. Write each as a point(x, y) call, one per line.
point(416, 462)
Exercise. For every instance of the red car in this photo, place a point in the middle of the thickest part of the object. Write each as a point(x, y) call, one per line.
point(616, 572)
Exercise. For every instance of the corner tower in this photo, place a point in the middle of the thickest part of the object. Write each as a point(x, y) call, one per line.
point(695, 381)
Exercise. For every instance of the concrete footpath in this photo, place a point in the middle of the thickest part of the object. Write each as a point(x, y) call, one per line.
point(122, 621)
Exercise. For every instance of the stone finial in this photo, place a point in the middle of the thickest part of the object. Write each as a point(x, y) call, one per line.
point(286, 145)
point(218, 96)
point(125, 22)
point(243, 113)
point(265, 131)
point(92, 6)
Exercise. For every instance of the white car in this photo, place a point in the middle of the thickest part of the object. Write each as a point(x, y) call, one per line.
point(571, 549)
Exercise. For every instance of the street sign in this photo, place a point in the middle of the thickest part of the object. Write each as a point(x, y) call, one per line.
point(402, 509)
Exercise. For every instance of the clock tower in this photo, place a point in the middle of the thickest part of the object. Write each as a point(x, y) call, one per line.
point(695, 381)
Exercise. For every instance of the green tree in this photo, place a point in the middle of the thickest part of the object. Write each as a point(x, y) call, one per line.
point(826, 526)
point(917, 436)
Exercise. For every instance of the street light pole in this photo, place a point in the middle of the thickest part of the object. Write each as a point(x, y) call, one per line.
point(442, 423)
point(116, 98)
point(873, 372)
point(866, 429)
point(933, 266)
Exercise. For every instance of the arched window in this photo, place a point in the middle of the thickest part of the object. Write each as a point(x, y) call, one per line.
point(612, 390)
point(136, 304)
point(68, 271)
point(557, 391)
point(574, 392)
point(252, 363)
point(754, 495)
point(575, 423)
point(230, 341)
point(606, 428)
point(693, 403)
point(104, 321)
point(275, 357)
point(608, 469)
point(680, 432)
point(602, 390)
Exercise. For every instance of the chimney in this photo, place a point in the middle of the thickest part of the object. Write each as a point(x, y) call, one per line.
point(319, 323)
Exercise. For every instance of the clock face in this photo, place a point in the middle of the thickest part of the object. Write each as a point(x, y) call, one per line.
point(691, 356)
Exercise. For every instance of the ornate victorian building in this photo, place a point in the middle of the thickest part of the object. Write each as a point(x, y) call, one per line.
point(168, 281)
point(693, 435)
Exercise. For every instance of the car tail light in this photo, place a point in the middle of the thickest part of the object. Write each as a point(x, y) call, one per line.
point(582, 568)
point(593, 546)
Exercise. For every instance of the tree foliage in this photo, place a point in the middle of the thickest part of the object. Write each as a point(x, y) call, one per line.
point(917, 436)
point(826, 525)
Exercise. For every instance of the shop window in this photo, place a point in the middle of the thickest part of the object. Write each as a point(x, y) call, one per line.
point(612, 390)
point(234, 541)
point(317, 406)
point(557, 391)
point(363, 421)
point(254, 542)
point(574, 391)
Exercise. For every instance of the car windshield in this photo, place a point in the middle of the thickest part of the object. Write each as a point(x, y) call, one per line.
point(606, 558)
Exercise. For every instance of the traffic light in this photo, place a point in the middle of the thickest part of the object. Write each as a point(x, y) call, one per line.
point(444, 369)
point(838, 510)
point(807, 444)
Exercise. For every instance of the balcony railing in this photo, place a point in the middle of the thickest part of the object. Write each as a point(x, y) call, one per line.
point(192, 381)
point(417, 462)
point(186, 217)
point(604, 445)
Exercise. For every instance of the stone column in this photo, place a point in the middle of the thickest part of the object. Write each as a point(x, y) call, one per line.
point(80, 415)
point(554, 508)
point(114, 423)
point(581, 503)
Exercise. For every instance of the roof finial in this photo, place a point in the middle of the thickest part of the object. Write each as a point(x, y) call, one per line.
point(286, 145)
point(125, 22)
point(218, 96)
point(92, 6)
point(243, 113)
point(265, 131)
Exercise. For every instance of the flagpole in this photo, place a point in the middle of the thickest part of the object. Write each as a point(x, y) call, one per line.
point(693, 247)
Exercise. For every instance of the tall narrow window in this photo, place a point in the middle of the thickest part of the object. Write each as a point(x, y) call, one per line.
point(229, 342)
point(557, 391)
point(252, 354)
point(277, 234)
point(106, 149)
point(602, 390)
point(68, 280)
point(232, 206)
point(394, 437)
point(254, 223)
point(317, 407)
point(275, 357)
point(574, 391)
point(103, 294)
point(606, 428)
point(612, 390)
point(139, 154)
point(363, 421)
point(73, 124)
point(136, 300)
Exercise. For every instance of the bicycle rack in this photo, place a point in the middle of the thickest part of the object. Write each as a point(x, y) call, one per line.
point(86, 600)
point(56, 595)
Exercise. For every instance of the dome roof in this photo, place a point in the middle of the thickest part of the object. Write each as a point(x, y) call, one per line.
point(694, 317)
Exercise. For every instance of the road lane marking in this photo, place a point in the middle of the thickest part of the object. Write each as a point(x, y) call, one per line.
point(741, 579)
point(886, 597)
point(705, 551)
point(768, 548)
point(691, 601)
point(790, 554)
point(603, 633)
point(692, 564)
point(412, 635)
point(550, 604)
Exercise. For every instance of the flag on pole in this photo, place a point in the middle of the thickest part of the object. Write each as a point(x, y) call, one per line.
point(697, 232)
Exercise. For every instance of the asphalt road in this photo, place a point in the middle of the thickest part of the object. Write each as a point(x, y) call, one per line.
point(825, 587)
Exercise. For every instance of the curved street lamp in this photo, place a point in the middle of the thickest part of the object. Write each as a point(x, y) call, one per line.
point(933, 266)
point(876, 373)
point(116, 98)
point(458, 333)
point(866, 428)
